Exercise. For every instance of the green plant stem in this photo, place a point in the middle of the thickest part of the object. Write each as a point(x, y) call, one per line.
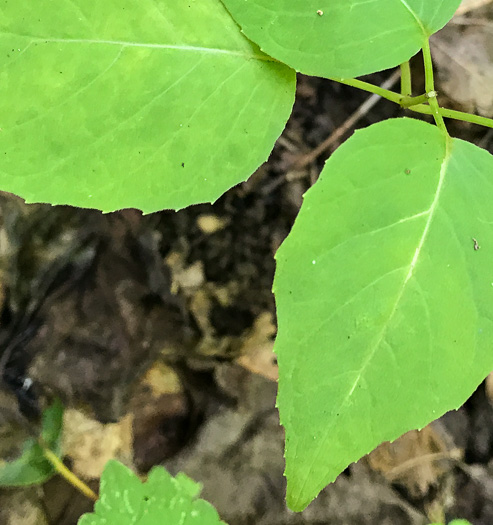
point(418, 108)
point(408, 102)
point(430, 86)
point(68, 474)
point(371, 88)
point(456, 115)
point(404, 101)
point(406, 84)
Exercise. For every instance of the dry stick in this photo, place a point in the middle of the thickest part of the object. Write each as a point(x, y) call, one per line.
point(348, 124)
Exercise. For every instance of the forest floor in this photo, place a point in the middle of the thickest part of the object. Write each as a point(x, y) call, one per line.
point(157, 332)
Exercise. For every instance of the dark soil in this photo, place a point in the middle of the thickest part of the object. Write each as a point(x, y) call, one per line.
point(91, 302)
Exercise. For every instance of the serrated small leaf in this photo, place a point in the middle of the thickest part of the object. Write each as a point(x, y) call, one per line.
point(341, 38)
point(125, 500)
point(121, 104)
point(32, 468)
point(188, 485)
point(384, 292)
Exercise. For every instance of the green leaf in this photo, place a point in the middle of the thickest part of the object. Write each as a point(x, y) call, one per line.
point(133, 104)
point(52, 426)
point(341, 38)
point(31, 468)
point(385, 307)
point(161, 499)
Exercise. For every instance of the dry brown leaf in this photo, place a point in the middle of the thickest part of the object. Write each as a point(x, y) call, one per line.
point(183, 277)
point(256, 351)
point(489, 387)
point(470, 5)
point(160, 379)
point(90, 444)
point(209, 223)
point(415, 460)
point(200, 306)
point(464, 62)
point(21, 507)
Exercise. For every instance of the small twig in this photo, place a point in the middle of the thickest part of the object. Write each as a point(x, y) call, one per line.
point(454, 454)
point(347, 124)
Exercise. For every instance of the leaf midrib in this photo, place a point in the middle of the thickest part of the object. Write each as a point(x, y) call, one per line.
point(125, 43)
point(415, 16)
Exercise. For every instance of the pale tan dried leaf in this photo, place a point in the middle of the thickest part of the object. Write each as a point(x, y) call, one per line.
point(415, 460)
point(470, 5)
point(464, 62)
point(256, 350)
point(183, 277)
point(21, 507)
point(90, 444)
point(209, 223)
point(489, 387)
point(159, 380)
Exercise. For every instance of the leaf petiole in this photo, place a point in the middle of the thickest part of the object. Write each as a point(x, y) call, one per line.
point(456, 115)
point(430, 86)
point(416, 103)
point(409, 102)
point(406, 84)
point(406, 101)
point(371, 88)
point(67, 473)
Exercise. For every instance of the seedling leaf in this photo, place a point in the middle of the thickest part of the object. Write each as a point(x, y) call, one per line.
point(341, 38)
point(161, 499)
point(121, 104)
point(31, 468)
point(384, 297)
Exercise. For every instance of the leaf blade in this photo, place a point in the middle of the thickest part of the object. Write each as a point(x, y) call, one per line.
point(32, 468)
point(341, 39)
point(162, 498)
point(378, 296)
point(123, 105)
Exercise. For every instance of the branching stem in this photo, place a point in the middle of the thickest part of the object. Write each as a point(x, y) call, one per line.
point(426, 104)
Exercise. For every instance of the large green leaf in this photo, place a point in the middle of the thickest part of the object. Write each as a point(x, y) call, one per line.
point(341, 38)
point(114, 104)
point(124, 500)
point(385, 302)
point(31, 467)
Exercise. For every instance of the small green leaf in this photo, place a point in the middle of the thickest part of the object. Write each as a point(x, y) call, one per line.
point(31, 468)
point(191, 487)
point(120, 104)
point(124, 500)
point(52, 426)
point(341, 38)
point(384, 292)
